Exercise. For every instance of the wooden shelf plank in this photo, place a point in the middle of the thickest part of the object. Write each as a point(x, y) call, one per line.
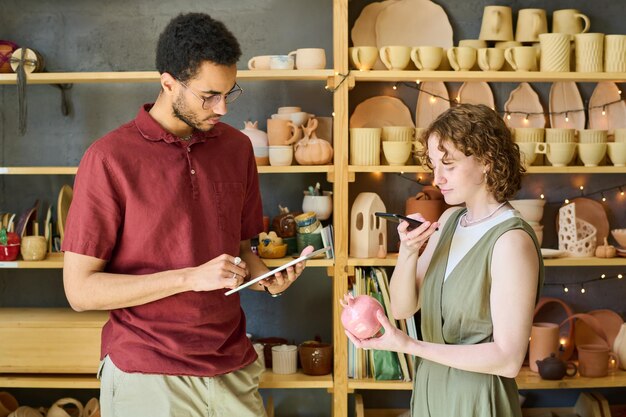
point(87, 381)
point(55, 261)
point(609, 169)
point(526, 379)
point(58, 170)
point(490, 76)
point(391, 259)
point(153, 76)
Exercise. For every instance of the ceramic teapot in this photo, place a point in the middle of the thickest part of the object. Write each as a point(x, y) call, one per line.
point(553, 368)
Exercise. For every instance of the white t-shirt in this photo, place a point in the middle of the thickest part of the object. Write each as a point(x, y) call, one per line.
point(465, 237)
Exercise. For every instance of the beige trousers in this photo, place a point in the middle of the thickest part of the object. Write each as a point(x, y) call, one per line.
point(147, 395)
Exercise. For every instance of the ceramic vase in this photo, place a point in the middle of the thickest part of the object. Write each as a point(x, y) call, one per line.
point(544, 341)
point(619, 346)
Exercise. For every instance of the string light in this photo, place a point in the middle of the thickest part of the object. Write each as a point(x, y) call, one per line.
point(584, 284)
point(603, 197)
point(543, 197)
point(602, 193)
point(566, 117)
point(432, 100)
point(603, 110)
point(395, 86)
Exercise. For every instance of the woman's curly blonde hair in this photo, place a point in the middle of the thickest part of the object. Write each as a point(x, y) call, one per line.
point(478, 131)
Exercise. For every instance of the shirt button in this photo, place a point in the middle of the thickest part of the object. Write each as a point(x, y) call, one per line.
point(193, 171)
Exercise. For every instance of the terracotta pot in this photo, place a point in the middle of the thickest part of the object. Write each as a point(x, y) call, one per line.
point(316, 358)
point(569, 345)
point(429, 203)
point(544, 342)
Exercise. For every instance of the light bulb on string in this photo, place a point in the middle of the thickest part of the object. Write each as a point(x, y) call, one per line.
point(543, 197)
point(602, 276)
point(566, 201)
point(621, 190)
point(582, 289)
point(604, 110)
point(565, 289)
point(566, 117)
point(395, 86)
point(620, 276)
point(526, 119)
point(417, 82)
point(432, 99)
point(508, 116)
point(603, 197)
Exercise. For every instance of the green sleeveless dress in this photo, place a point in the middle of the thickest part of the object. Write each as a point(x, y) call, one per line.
point(458, 312)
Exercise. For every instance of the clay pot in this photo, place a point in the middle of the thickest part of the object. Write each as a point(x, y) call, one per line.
point(553, 368)
point(544, 342)
point(429, 203)
point(8, 404)
point(569, 345)
point(316, 358)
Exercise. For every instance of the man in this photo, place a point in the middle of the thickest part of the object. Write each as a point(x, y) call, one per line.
point(159, 228)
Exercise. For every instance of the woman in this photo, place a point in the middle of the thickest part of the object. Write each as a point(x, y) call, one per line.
point(477, 280)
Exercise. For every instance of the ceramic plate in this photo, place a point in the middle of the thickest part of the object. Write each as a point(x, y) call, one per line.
point(621, 252)
point(429, 107)
point(381, 111)
point(564, 96)
point(63, 206)
point(413, 23)
point(24, 226)
point(610, 321)
point(591, 211)
point(476, 93)
point(615, 114)
point(524, 100)
point(551, 253)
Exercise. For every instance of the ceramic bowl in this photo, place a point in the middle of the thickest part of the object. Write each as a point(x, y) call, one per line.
point(530, 210)
point(9, 252)
point(620, 236)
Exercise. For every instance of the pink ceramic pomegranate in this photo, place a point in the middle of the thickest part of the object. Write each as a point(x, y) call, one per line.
point(359, 315)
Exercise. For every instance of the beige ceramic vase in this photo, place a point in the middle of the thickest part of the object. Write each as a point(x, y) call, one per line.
point(619, 346)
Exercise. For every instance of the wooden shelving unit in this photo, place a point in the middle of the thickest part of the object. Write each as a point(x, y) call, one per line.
point(86, 381)
point(341, 174)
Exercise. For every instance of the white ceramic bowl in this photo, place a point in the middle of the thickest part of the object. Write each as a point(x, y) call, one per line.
point(530, 210)
point(620, 236)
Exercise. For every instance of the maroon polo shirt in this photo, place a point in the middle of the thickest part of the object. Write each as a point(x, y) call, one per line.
point(146, 202)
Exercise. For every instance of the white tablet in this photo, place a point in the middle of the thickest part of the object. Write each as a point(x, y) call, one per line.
point(278, 269)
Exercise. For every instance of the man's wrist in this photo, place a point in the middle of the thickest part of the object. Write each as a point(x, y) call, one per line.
point(278, 294)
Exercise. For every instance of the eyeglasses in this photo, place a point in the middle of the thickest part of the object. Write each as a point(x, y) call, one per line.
point(214, 99)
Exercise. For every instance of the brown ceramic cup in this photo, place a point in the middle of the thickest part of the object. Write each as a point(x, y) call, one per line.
point(316, 358)
point(594, 361)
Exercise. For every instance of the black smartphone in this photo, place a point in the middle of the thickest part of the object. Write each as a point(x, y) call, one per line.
point(397, 218)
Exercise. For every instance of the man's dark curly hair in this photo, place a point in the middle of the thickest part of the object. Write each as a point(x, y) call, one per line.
point(479, 131)
point(190, 39)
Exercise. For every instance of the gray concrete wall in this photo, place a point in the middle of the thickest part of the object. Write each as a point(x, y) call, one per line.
point(118, 36)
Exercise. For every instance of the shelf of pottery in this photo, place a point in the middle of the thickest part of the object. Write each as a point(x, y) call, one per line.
point(296, 141)
point(412, 51)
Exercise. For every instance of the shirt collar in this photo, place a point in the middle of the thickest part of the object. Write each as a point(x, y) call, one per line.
point(151, 130)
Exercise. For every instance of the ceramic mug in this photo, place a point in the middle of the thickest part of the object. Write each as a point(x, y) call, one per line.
point(281, 155)
point(555, 52)
point(281, 62)
point(594, 360)
point(617, 153)
point(560, 135)
point(34, 248)
point(497, 24)
point(462, 58)
point(615, 53)
point(521, 58)
point(592, 136)
point(281, 132)
point(309, 58)
point(364, 57)
point(490, 59)
point(261, 62)
point(559, 154)
point(395, 58)
point(398, 133)
point(365, 145)
point(476, 44)
point(529, 134)
point(528, 152)
point(397, 153)
point(530, 24)
point(504, 45)
point(569, 21)
point(427, 58)
point(591, 154)
point(589, 52)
